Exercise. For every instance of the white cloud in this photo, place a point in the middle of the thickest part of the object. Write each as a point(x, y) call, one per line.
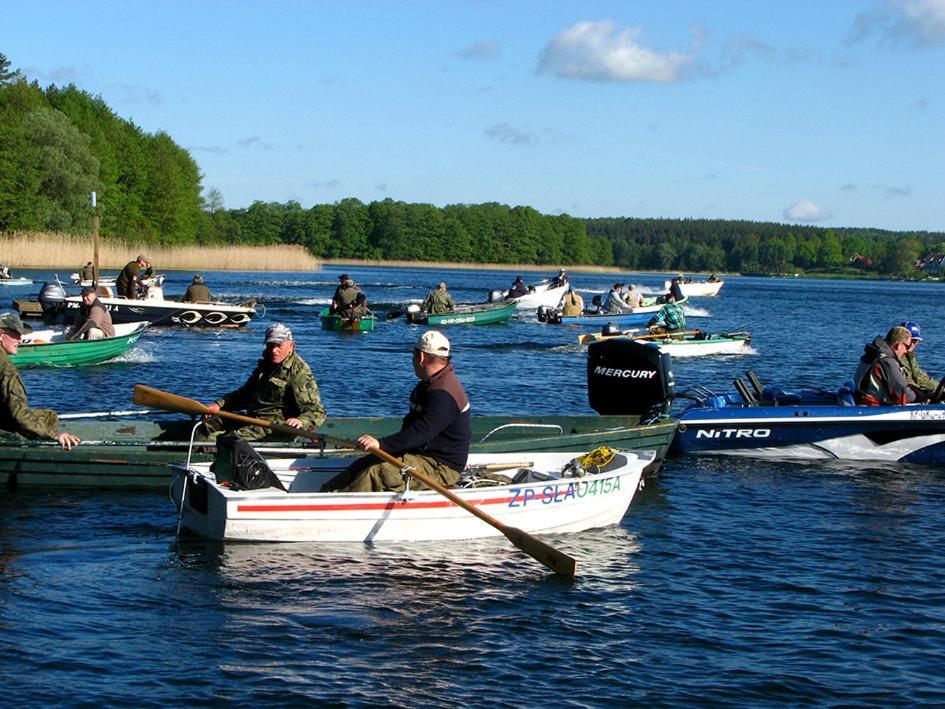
point(807, 211)
point(920, 22)
point(505, 133)
point(600, 51)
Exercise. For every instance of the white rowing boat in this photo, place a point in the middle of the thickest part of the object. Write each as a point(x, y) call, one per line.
point(548, 495)
point(692, 343)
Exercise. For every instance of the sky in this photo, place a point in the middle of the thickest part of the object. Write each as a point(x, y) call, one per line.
point(827, 113)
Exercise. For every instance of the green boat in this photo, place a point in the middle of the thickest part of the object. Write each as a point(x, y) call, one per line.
point(50, 348)
point(132, 452)
point(336, 323)
point(482, 314)
point(135, 454)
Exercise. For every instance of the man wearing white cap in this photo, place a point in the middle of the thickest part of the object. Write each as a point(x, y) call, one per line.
point(434, 436)
point(281, 389)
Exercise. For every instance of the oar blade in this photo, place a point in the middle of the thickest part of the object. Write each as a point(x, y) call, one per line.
point(554, 559)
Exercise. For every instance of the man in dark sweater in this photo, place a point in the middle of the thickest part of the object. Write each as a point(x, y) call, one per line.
point(434, 436)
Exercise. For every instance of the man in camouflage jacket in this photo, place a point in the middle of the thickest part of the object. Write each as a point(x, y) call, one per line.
point(16, 416)
point(282, 389)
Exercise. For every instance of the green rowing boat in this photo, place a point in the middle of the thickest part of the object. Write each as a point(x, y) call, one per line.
point(135, 453)
point(50, 348)
point(336, 323)
point(483, 314)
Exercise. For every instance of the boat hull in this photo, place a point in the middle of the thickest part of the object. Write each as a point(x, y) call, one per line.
point(698, 288)
point(553, 505)
point(134, 453)
point(471, 315)
point(336, 323)
point(542, 296)
point(690, 346)
point(15, 282)
point(170, 312)
point(912, 434)
point(49, 348)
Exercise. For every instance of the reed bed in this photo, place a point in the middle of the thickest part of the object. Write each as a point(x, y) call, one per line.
point(42, 250)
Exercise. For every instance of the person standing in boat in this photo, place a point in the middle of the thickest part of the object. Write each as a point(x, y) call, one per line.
point(197, 291)
point(438, 301)
point(573, 303)
point(281, 389)
point(675, 287)
point(518, 288)
point(919, 379)
point(92, 321)
point(16, 415)
point(87, 272)
point(5, 272)
point(880, 377)
point(349, 301)
point(434, 436)
point(131, 277)
point(670, 319)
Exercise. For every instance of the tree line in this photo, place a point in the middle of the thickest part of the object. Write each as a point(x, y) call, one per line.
point(57, 144)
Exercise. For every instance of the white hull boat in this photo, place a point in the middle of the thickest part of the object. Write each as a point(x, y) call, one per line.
point(550, 498)
point(689, 344)
point(698, 288)
point(15, 282)
point(543, 294)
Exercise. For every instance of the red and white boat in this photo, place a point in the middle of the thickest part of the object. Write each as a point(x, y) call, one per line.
point(551, 495)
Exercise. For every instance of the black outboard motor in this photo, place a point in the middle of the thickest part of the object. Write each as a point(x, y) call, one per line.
point(548, 314)
point(52, 299)
point(626, 378)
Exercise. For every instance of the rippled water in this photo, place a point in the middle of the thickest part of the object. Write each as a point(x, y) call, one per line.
point(732, 581)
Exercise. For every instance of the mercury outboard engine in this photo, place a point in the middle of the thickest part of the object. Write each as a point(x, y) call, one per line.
point(52, 299)
point(627, 378)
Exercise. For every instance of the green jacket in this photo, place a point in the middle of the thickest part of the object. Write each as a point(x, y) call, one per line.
point(916, 375)
point(279, 392)
point(437, 302)
point(16, 415)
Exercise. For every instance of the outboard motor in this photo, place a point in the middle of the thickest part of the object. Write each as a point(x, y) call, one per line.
point(627, 378)
point(52, 299)
point(611, 330)
point(496, 295)
point(543, 311)
point(412, 312)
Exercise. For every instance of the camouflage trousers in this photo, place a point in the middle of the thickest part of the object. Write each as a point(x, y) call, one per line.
point(217, 425)
point(369, 474)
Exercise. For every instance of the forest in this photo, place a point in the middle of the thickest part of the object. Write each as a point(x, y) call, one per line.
point(58, 144)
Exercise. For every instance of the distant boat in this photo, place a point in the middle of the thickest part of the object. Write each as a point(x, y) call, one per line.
point(15, 282)
point(539, 295)
point(689, 344)
point(482, 314)
point(698, 288)
point(50, 348)
point(333, 321)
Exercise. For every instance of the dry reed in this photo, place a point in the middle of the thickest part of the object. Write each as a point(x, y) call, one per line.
point(41, 250)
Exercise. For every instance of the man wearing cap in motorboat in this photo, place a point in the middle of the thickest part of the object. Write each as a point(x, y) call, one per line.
point(281, 389)
point(433, 437)
point(16, 415)
point(349, 300)
point(197, 291)
point(132, 275)
point(92, 319)
point(920, 380)
point(438, 301)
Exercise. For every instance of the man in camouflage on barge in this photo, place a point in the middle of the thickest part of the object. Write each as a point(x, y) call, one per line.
point(16, 415)
point(281, 389)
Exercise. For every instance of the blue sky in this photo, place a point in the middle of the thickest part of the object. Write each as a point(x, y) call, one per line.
point(829, 113)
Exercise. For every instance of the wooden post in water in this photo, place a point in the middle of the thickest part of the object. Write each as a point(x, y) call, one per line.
point(94, 242)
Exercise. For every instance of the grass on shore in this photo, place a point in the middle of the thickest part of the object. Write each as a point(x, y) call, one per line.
point(41, 250)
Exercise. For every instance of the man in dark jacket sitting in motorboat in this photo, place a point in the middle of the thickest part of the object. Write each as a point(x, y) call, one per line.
point(880, 378)
point(518, 288)
point(197, 291)
point(349, 301)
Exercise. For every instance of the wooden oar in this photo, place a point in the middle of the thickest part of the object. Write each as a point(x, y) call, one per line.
point(592, 337)
point(556, 560)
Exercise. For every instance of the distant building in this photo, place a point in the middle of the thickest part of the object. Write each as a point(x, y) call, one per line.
point(863, 262)
point(933, 265)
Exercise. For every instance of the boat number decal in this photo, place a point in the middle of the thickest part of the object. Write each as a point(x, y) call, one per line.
point(456, 321)
point(560, 492)
point(734, 433)
point(625, 373)
point(928, 415)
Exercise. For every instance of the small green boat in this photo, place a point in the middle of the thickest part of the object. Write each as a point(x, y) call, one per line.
point(483, 314)
point(50, 348)
point(336, 323)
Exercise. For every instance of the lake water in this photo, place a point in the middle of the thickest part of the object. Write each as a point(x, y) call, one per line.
point(729, 581)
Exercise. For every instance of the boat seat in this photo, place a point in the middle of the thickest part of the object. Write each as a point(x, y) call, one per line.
point(777, 395)
point(845, 394)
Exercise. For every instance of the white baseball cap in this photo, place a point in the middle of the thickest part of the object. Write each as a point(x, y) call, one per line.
point(435, 343)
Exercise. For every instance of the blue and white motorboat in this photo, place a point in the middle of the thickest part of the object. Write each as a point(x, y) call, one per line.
point(808, 424)
point(638, 316)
